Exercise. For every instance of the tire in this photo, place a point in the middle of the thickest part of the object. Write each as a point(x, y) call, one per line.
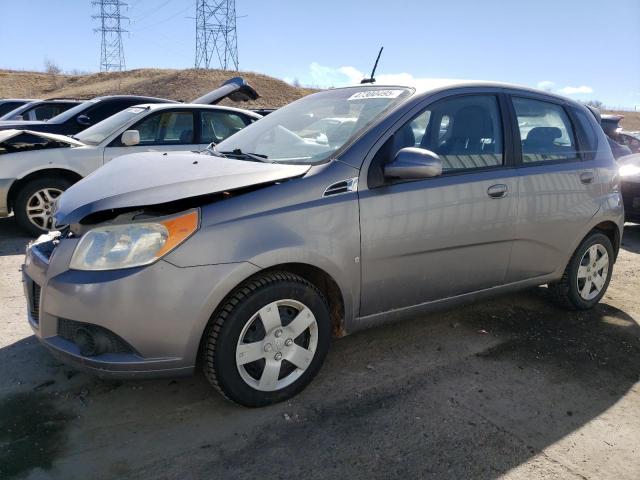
point(572, 291)
point(24, 204)
point(244, 326)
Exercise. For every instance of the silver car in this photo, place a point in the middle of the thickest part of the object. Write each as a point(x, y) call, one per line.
point(248, 257)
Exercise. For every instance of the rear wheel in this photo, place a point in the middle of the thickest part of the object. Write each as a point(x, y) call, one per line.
point(34, 204)
point(268, 340)
point(587, 275)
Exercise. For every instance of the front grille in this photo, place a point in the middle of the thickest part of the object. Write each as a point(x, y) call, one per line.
point(108, 341)
point(34, 302)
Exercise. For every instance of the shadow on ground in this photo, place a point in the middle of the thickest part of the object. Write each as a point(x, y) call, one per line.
point(469, 393)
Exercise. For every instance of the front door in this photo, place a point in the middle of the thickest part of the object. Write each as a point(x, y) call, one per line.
point(444, 236)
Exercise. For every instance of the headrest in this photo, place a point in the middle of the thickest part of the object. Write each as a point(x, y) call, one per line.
point(543, 135)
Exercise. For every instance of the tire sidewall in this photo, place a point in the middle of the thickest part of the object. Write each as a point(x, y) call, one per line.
point(225, 352)
point(595, 238)
point(20, 205)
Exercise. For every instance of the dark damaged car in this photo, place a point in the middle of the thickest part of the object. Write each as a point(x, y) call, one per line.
point(345, 209)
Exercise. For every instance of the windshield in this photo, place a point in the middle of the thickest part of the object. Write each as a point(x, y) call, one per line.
point(311, 129)
point(18, 111)
point(72, 112)
point(97, 133)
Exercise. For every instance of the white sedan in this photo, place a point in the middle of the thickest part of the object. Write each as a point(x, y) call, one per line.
point(36, 167)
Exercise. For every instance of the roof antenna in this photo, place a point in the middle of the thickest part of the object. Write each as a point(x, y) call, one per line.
point(371, 79)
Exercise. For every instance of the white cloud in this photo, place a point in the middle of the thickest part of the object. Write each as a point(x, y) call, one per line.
point(546, 85)
point(583, 89)
point(321, 76)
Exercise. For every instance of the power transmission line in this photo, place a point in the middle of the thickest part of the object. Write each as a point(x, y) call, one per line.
point(111, 47)
point(216, 34)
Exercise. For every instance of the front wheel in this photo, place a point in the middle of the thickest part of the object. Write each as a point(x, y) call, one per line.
point(268, 340)
point(34, 204)
point(587, 275)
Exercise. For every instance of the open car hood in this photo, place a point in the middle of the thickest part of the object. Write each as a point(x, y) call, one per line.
point(152, 178)
point(236, 89)
point(11, 133)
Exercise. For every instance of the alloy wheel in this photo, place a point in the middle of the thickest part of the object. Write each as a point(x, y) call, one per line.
point(40, 208)
point(593, 271)
point(277, 345)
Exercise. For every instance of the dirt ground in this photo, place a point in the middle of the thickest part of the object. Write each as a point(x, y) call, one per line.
point(512, 388)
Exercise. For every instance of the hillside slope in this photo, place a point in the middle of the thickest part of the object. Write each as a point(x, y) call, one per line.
point(182, 85)
point(173, 84)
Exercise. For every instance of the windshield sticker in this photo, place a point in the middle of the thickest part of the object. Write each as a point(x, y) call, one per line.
point(375, 94)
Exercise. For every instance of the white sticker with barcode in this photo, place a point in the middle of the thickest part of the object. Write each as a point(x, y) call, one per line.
point(366, 94)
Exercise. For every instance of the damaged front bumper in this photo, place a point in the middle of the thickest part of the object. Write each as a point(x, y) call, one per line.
point(147, 321)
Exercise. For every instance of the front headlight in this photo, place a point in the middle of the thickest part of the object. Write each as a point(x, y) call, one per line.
point(131, 245)
point(629, 170)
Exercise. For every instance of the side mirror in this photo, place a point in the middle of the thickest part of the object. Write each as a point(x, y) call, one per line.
point(130, 138)
point(413, 163)
point(83, 120)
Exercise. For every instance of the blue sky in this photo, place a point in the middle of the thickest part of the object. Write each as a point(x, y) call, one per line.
point(587, 49)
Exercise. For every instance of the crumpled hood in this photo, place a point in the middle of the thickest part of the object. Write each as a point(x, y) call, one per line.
point(9, 134)
point(151, 178)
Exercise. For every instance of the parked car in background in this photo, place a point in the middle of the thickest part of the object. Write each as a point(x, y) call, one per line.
point(630, 186)
point(631, 140)
point(83, 115)
point(611, 126)
point(245, 258)
point(8, 104)
point(36, 167)
point(41, 110)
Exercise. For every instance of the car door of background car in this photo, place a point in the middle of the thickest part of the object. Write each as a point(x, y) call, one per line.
point(558, 183)
point(163, 131)
point(439, 237)
point(217, 125)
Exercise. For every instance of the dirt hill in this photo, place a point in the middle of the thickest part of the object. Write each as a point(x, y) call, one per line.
point(182, 85)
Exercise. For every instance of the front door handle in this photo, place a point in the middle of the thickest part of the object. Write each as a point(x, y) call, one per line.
point(586, 177)
point(499, 190)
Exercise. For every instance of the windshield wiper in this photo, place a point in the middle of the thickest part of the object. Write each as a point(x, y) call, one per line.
point(237, 153)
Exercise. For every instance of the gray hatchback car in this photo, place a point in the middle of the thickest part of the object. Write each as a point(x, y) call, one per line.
point(345, 209)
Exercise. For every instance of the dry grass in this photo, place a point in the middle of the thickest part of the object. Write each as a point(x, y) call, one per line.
point(182, 85)
point(173, 84)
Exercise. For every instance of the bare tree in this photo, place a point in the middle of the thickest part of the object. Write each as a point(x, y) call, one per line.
point(53, 70)
point(595, 104)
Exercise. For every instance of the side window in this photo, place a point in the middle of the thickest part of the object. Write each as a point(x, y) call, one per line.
point(219, 125)
point(587, 136)
point(465, 131)
point(545, 131)
point(166, 128)
point(45, 112)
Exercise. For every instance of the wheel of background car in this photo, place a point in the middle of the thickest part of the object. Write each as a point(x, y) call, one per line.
point(268, 340)
point(587, 275)
point(34, 204)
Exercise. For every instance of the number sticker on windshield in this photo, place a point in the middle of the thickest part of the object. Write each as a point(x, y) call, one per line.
point(366, 94)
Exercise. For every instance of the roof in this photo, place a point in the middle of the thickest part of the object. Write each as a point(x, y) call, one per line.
point(137, 97)
point(430, 85)
point(200, 106)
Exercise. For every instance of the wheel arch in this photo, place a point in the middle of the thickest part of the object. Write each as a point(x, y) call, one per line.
point(70, 175)
point(612, 231)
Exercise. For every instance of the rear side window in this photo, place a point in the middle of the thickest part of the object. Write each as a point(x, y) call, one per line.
point(587, 136)
point(545, 131)
point(218, 125)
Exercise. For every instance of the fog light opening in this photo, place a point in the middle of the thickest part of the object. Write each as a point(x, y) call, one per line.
point(91, 342)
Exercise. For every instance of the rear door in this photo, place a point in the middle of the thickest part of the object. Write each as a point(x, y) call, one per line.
point(163, 131)
point(558, 184)
point(439, 237)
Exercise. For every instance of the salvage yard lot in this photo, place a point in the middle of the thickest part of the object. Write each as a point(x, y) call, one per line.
point(512, 386)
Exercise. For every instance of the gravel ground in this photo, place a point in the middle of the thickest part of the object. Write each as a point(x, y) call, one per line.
point(512, 388)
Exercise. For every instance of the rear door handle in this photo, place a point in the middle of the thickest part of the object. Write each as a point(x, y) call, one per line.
point(499, 190)
point(586, 177)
